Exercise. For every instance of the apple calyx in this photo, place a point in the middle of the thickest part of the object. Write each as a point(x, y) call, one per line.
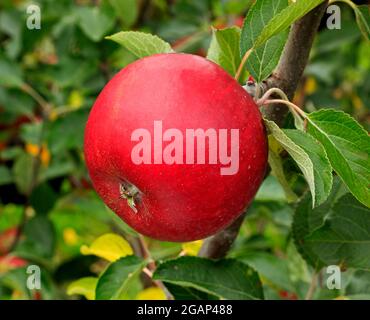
point(130, 193)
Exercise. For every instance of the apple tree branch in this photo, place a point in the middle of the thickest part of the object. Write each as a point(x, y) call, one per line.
point(286, 77)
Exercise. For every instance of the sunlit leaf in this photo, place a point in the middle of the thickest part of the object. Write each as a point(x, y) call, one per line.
point(109, 246)
point(141, 44)
point(152, 293)
point(84, 286)
point(224, 49)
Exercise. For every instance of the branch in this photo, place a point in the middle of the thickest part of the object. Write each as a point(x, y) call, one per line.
point(217, 246)
point(286, 77)
point(312, 287)
point(293, 60)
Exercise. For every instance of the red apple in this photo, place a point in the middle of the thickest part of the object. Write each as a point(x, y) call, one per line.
point(150, 109)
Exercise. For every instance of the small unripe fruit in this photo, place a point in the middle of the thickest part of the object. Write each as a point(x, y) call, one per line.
point(150, 164)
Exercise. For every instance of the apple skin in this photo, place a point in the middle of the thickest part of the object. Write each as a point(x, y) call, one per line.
point(179, 202)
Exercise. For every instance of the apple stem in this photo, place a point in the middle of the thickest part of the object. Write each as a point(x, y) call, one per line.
point(253, 88)
point(242, 63)
point(150, 268)
point(289, 104)
point(269, 93)
point(297, 112)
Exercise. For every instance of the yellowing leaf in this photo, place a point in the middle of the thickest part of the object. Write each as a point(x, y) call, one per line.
point(17, 295)
point(192, 248)
point(70, 236)
point(34, 150)
point(84, 286)
point(75, 99)
point(357, 102)
point(53, 115)
point(152, 293)
point(45, 156)
point(310, 86)
point(109, 246)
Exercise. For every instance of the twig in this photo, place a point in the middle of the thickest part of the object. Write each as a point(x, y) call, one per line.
point(146, 252)
point(38, 98)
point(312, 287)
point(151, 267)
point(286, 77)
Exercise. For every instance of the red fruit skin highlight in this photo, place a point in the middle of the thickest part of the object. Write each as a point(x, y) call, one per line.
point(179, 202)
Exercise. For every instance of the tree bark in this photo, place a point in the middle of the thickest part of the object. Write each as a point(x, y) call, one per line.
point(286, 77)
point(217, 246)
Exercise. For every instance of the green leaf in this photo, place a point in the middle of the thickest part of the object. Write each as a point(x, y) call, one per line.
point(359, 283)
point(264, 59)
point(126, 10)
point(307, 220)
point(270, 267)
point(109, 246)
point(277, 168)
point(347, 145)
point(10, 74)
point(10, 216)
point(322, 170)
point(31, 133)
point(22, 173)
point(361, 12)
point(95, 22)
point(310, 157)
point(17, 280)
point(226, 279)
point(43, 198)
point(188, 293)
point(11, 24)
point(285, 18)
point(10, 153)
point(297, 267)
point(114, 283)
point(84, 286)
point(224, 49)
point(39, 238)
point(141, 44)
point(270, 190)
point(344, 238)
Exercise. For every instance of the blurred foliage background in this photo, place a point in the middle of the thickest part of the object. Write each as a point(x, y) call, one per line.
point(49, 79)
